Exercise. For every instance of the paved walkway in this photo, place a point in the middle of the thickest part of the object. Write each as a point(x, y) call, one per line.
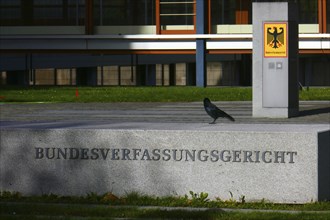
point(28, 115)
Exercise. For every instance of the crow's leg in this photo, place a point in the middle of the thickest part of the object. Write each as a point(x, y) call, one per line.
point(213, 122)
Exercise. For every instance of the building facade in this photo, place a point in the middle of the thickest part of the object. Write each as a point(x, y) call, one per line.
point(146, 42)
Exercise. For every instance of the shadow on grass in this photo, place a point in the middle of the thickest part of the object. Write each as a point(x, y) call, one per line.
point(180, 214)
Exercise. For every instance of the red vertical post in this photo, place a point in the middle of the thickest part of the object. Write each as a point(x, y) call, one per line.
point(77, 93)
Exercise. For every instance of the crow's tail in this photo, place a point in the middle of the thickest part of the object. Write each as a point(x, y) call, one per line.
point(229, 117)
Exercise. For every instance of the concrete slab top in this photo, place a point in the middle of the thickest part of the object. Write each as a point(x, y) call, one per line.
point(163, 149)
point(157, 116)
point(223, 127)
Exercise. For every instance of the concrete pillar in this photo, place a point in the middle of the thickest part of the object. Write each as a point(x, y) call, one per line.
point(201, 63)
point(200, 44)
point(275, 59)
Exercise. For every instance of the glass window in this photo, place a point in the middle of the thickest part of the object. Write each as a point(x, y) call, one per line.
point(44, 76)
point(47, 10)
point(308, 11)
point(58, 12)
point(64, 76)
point(231, 12)
point(75, 12)
point(10, 12)
point(176, 16)
point(42, 12)
point(124, 12)
point(177, 12)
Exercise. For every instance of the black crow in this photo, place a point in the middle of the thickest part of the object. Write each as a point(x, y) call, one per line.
point(213, 111)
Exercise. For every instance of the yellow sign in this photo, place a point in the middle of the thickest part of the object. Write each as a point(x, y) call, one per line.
point(275, 40)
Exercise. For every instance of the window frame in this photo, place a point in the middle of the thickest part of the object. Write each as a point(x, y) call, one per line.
point(159, 25)
point(322, 16)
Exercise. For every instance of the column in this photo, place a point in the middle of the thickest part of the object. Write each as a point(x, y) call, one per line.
point(200, 44)
point(275, 59)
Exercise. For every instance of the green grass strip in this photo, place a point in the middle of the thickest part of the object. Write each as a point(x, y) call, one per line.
point(139, 94)
point(135, 199)
point(13, 205)
point(79, 211)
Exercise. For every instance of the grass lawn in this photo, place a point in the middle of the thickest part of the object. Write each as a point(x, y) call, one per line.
point(133, 205)
point(82, 211)
point(139, 94)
